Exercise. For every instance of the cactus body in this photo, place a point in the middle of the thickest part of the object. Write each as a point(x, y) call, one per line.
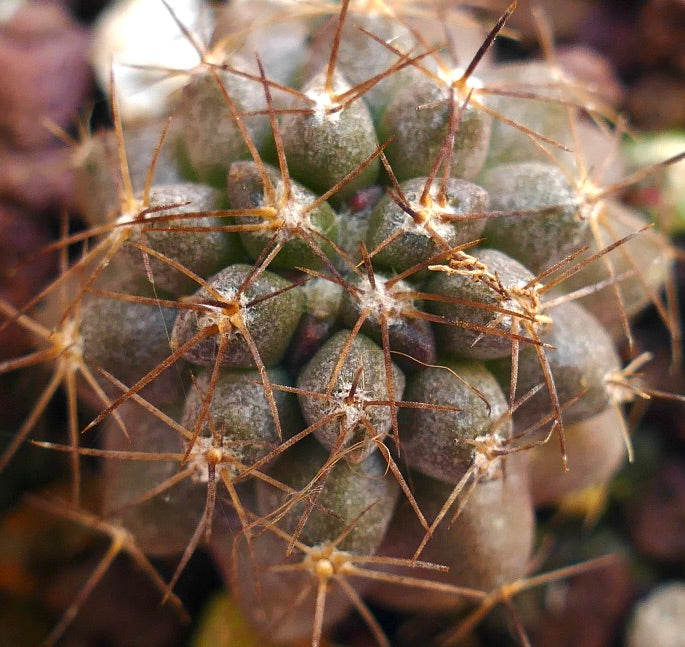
point(399, 230)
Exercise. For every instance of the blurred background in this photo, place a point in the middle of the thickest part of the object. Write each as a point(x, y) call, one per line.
point(633, 50)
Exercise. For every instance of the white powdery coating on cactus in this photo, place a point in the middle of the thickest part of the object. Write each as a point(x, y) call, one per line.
point(352, 408)
point(215, 315)
point(294, 214)
point(204, 452)
point(322, 106)
point(454, 75)
point(380, 300)
point(129, 217)
point(197, 459)
point(431, 221)
point(212, 317)
point(517, 303)
point(488, 467)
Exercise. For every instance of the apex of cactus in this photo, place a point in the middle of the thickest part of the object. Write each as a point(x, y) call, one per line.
point(347, 312)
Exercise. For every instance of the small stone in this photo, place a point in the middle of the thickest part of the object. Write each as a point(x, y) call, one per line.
point(659, 620)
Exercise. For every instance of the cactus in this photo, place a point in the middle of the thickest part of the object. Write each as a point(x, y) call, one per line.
point(357, 376)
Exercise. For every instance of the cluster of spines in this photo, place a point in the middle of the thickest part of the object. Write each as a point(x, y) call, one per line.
point(350, 391)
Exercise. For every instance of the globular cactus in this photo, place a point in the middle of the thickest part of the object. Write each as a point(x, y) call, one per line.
point(349, 315)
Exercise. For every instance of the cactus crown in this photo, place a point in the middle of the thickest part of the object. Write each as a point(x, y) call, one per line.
point(349, 314)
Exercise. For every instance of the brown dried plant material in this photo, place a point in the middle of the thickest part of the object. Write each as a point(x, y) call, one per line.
point(124, 609)
point(662, 24)
point(226, 315)
point(19, 236)
point(657, 517)
point(587, 609)
point(45, 81)
point(39, 180)
point(45, 73)
point(593, 69)
point(568, 17)
point(657, 101)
